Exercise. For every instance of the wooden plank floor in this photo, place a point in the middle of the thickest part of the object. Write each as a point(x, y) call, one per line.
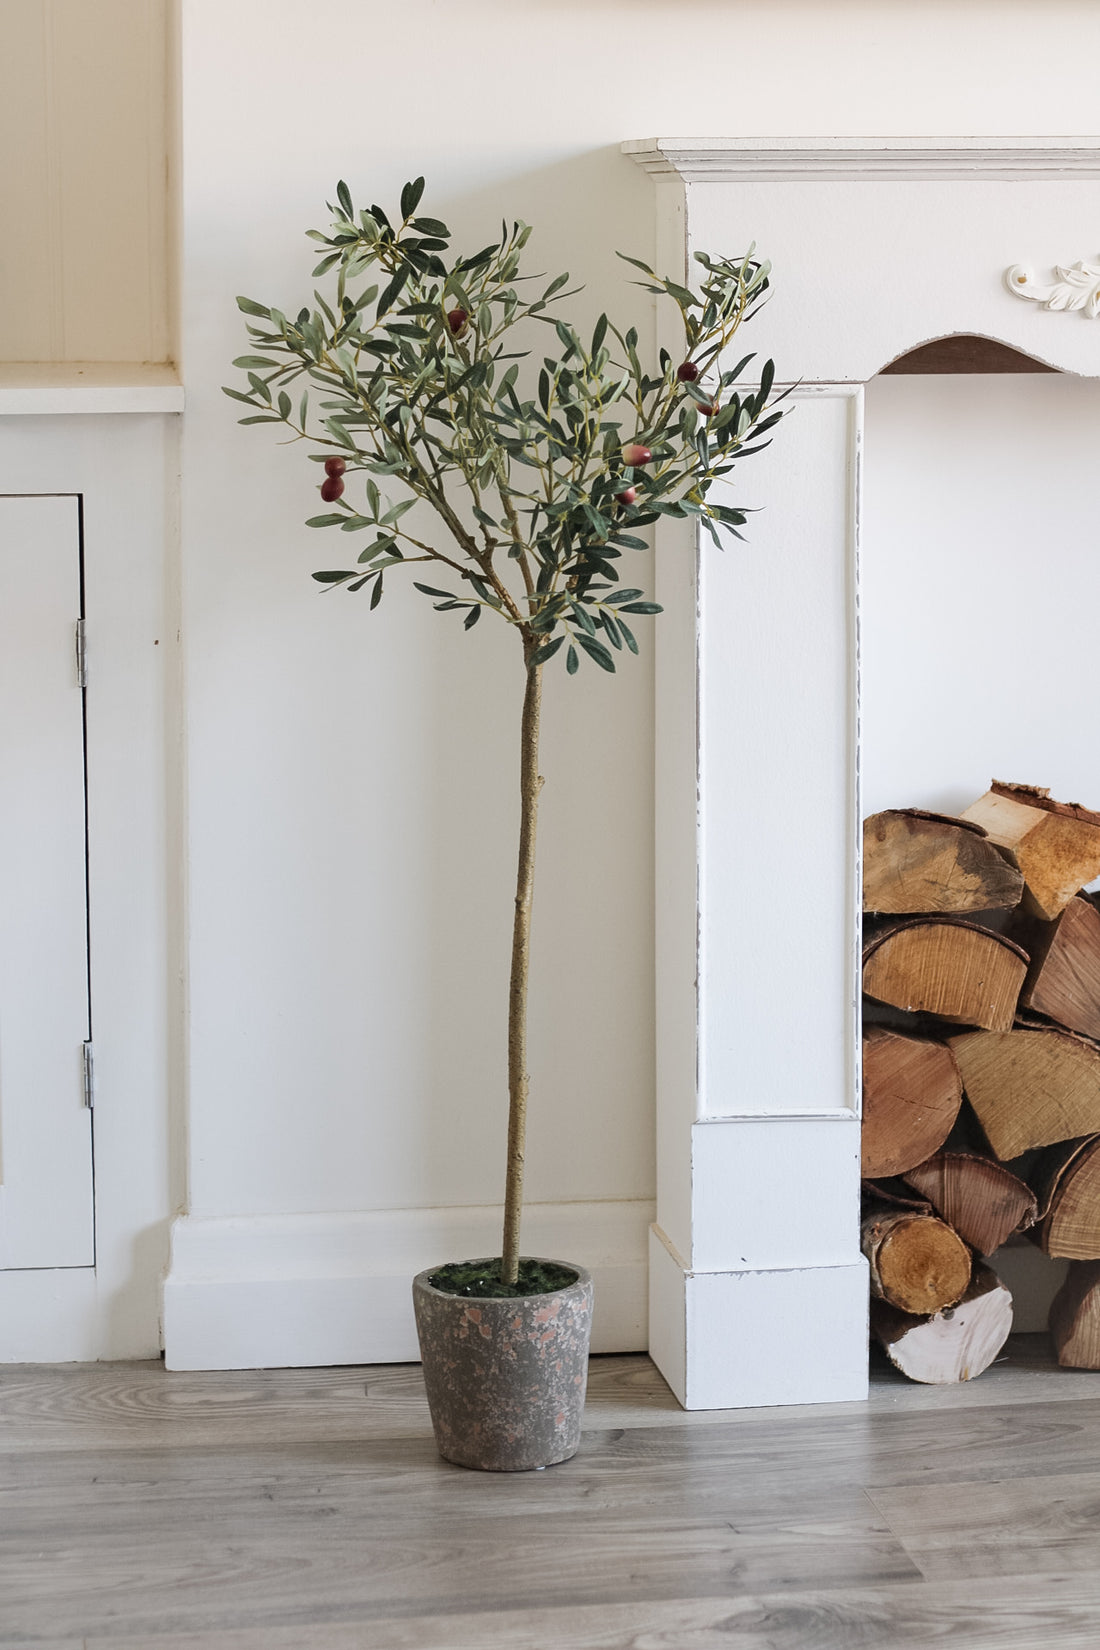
point(307, 1510)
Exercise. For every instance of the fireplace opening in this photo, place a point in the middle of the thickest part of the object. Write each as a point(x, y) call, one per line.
point(979, 576)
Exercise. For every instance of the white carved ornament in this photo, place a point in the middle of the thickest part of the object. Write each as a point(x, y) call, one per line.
point(1077, 287)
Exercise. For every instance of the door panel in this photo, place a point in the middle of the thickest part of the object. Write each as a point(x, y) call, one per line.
point(46, 1205)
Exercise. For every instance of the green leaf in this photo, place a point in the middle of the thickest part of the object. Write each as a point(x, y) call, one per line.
point(326, 264)
point(596, 650)
point(572, 663)
point(262, 418)
point(471, 618)
point(430, 590)
point(239, 395)
point(643, 607)
point(627, 634)
point(376, 594)
point(430, 226)
point(334, 578)
point(284, 405)
point(637, 262)
point(410, 197)
point(250, 307)
point(343, 195)
point(326, 521)
point(599, 334)
point(546, 651)
point(254, 361)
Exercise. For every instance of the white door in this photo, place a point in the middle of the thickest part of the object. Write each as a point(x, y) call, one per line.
point(46, 1207)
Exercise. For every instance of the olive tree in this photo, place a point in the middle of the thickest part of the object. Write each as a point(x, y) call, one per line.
point(540, 469)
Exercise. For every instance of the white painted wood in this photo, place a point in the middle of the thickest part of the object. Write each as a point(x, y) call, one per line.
point(774, 1192)
point(265, 1291)
point(776, 1337)
point(787, 159)
point(777, 702)
point(46, 1214)
point(88, 387)
point(124, 466)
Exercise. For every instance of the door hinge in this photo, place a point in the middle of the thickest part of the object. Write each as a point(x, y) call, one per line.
point(89, 1076)
point(81, 655)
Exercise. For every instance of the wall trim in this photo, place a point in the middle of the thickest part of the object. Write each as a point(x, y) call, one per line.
point(1004, 159)
point(276, 1291)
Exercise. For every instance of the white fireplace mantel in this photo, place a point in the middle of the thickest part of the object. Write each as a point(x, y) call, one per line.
point(758, 1291)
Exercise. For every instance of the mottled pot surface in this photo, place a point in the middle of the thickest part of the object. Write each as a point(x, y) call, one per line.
point(505, 1378)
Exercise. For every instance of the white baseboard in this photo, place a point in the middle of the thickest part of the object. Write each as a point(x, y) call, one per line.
point(270, 1291)
point(742, 1339)
point(50, 1316)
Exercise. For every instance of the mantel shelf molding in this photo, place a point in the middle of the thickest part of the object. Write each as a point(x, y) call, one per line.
point(992, 159)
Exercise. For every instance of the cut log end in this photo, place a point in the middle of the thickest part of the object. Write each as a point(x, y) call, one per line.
point(918, 1264)
point(984, 1202)
point(947, 967)
point(911, 1097)
point(919, 862)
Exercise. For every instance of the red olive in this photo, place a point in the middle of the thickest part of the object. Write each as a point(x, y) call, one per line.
point(456, 320)
point(707, 408)
point(335, 466)
point(627, 496)
point(687, 372)
point(331, 489)
point(636, 454)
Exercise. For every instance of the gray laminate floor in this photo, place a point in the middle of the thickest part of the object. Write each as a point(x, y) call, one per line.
point(307, 1510)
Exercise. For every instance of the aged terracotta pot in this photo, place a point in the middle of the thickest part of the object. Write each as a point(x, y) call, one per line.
point(505, 1378)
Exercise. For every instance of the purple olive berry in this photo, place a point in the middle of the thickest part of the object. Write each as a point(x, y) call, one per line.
point(331, 489)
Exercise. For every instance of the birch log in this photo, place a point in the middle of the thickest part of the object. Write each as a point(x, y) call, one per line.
point(953, 1345)
point(1056, 845)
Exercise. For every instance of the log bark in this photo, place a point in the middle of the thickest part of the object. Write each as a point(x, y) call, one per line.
point(917, 1263)
point(1068, 1178)
point(947, 967)
point(1029, 1087)
point(1075, 1317)
point(1063, 980)
point(911, 1096)
point(920, 862)
point(954, 1345)
point(982, 1200)
point(1056, 845)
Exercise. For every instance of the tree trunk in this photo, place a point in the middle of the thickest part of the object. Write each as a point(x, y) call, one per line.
point(530, 783)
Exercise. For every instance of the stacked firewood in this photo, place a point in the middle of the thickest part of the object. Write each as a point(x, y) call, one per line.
point(981, 1073)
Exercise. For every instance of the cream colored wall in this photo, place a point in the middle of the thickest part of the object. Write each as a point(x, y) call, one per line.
point(85, 231)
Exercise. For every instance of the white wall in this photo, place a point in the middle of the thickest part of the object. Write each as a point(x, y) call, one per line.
point(350, 778)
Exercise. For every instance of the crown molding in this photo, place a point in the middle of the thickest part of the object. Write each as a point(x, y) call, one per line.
point(867, 159)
